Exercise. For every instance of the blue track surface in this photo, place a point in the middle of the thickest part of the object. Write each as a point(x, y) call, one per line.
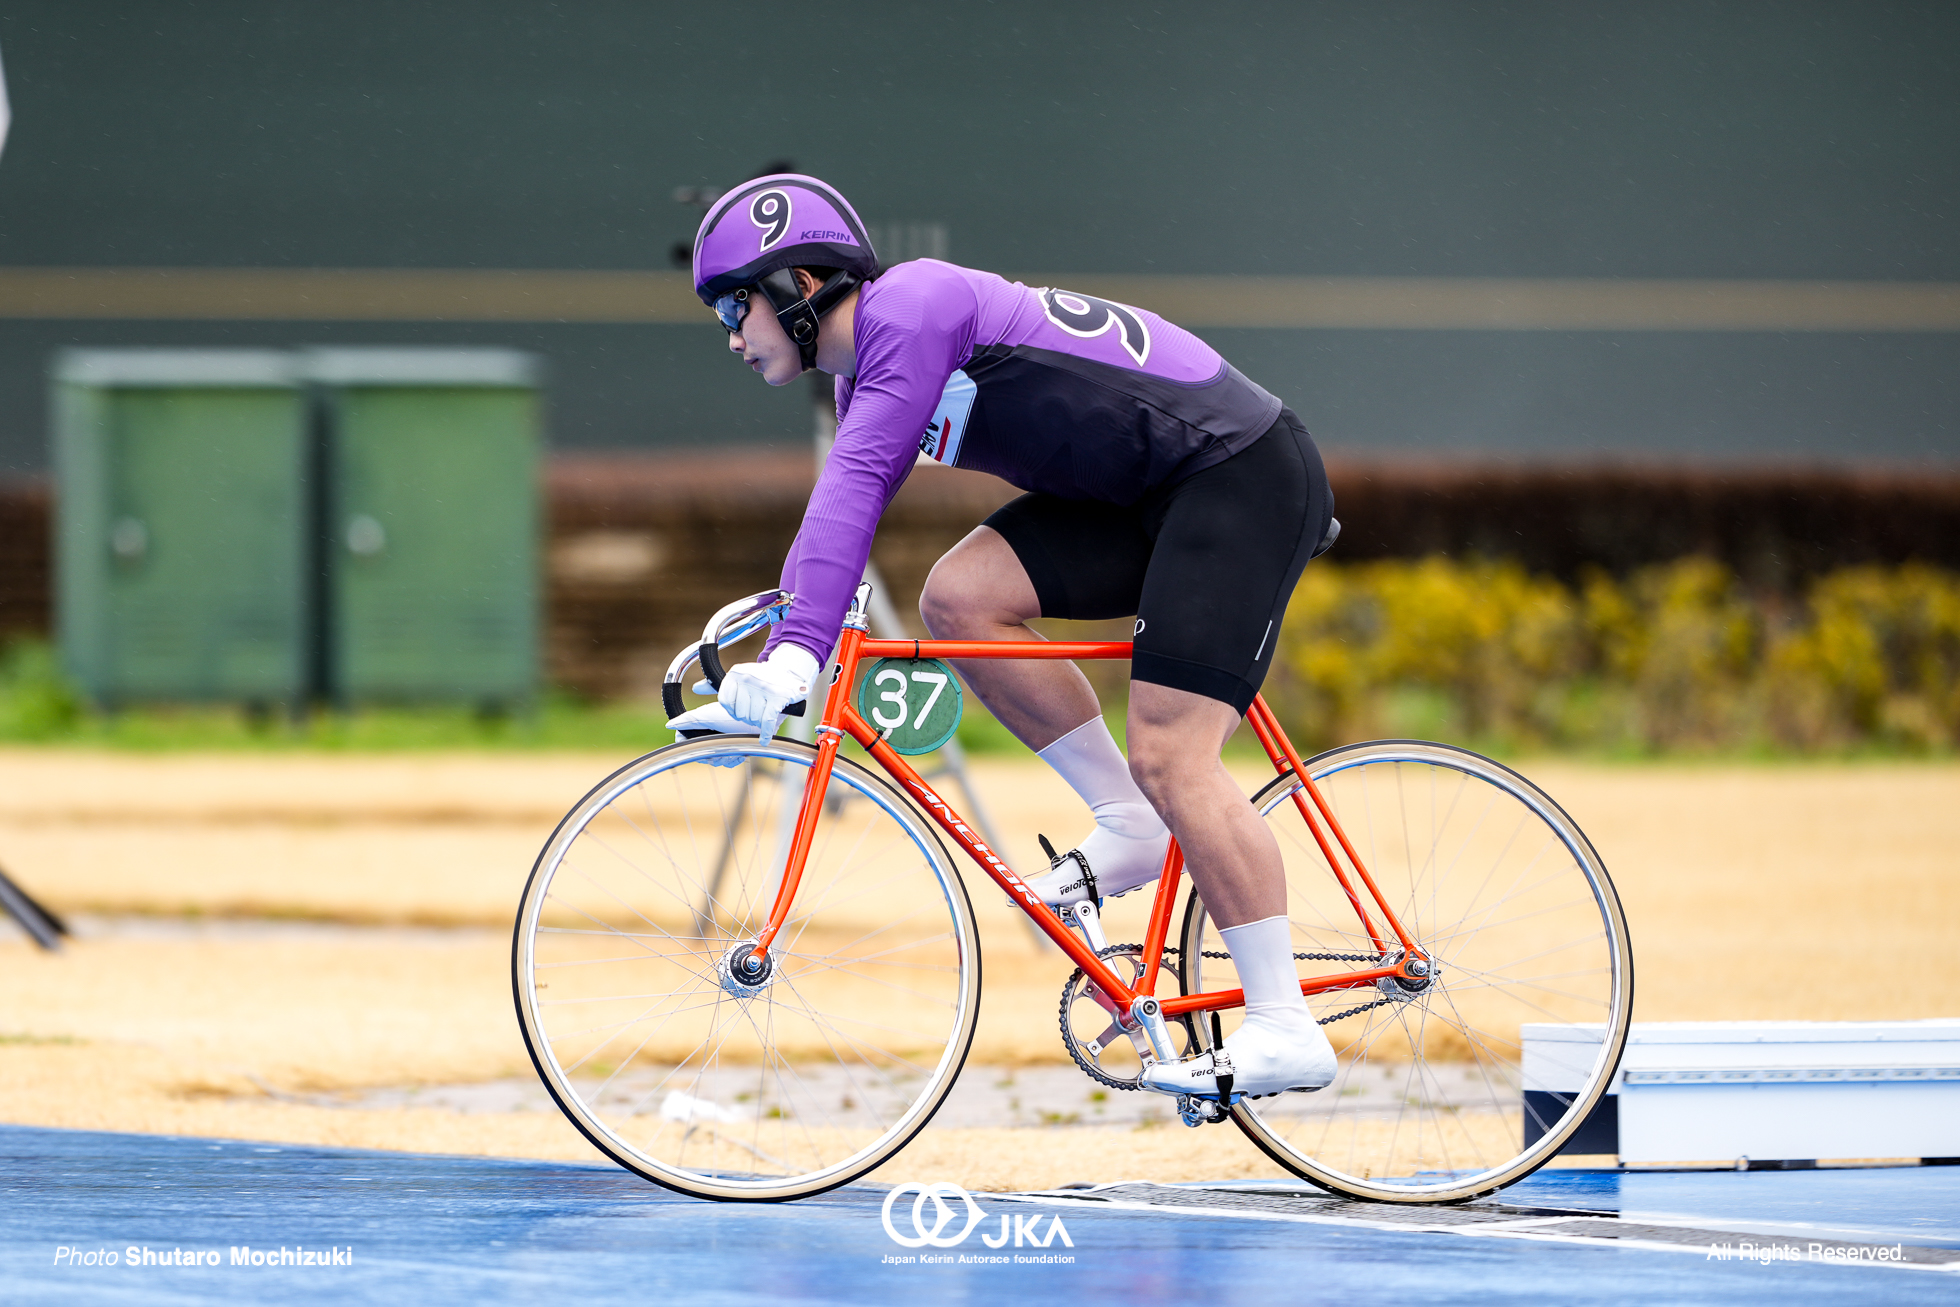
point(444, 1229)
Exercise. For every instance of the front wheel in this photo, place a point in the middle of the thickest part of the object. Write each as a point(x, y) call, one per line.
point(656, 1039)
point(1503, 892)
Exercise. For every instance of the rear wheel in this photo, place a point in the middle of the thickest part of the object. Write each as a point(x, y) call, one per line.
point(1498, 886)
point(627, 970)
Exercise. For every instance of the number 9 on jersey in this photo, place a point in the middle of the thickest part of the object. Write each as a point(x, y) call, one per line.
point(914, 703)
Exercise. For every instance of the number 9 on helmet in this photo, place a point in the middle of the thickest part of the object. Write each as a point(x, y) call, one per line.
point(756, 233)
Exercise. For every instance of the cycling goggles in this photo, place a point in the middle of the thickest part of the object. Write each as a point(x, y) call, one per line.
point(732, 308)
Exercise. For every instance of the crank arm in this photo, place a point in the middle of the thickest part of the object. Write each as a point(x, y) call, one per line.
point(1138, 1040)
point(1085, 917)
point(1105, 1039)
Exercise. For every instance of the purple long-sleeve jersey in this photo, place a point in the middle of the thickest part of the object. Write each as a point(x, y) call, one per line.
point(1047, 389)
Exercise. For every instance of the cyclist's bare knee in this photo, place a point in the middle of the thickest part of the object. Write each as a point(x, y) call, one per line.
point(978, 590)
point(1174, 736)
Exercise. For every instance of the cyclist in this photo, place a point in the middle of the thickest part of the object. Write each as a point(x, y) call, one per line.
point(1161, 484)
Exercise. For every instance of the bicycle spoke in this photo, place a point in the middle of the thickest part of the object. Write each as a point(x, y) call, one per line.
point(651, 950)
point(561, 1035)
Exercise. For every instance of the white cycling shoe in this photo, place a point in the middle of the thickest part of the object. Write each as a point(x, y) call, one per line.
point(1105, 865)
point(1263, 1060)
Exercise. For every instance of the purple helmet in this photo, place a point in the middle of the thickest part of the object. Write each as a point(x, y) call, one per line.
point(755, 233)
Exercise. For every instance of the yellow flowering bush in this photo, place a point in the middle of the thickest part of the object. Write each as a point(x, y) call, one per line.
point(1483, 635)
point(1682, 641)
point(1879, 658)
point(1676, 656)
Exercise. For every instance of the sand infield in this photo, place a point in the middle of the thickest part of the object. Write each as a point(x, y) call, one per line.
point(355, 915)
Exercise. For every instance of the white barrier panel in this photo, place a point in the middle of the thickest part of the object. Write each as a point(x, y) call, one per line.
point(1720, 1091)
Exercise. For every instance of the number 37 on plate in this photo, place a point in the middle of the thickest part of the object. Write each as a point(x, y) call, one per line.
point(916, 704)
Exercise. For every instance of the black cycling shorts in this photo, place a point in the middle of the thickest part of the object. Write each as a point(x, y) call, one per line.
point(1206, 565)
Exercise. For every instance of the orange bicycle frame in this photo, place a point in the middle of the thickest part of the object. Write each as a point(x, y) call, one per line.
point(840, 718)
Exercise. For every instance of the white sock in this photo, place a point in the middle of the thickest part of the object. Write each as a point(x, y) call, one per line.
point(1263, 953)
point(1126, 849)
point(1088, 759)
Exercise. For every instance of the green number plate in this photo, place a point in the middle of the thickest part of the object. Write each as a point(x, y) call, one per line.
point(914, 703)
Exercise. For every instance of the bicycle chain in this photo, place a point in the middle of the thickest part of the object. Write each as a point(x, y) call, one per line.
point(1320, 957)
point(1116, 950)
point(1297, 957)
point(1357, 1011)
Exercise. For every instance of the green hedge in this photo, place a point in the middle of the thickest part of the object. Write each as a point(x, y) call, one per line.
point(1676, 658)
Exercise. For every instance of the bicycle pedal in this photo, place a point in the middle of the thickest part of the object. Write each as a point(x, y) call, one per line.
point(1195, 1112)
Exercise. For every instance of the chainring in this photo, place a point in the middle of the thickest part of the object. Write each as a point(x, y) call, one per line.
point(1078, 990)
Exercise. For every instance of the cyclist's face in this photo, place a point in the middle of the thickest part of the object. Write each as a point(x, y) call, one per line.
point(764, 345)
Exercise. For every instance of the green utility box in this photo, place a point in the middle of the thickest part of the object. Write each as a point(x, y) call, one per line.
point(182, 568)
point(431, 506)
point(342, 524)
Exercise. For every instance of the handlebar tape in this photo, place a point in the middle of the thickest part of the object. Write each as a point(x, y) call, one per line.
point(710, 655)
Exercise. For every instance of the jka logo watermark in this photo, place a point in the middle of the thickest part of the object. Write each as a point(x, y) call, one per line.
point(942, 1215)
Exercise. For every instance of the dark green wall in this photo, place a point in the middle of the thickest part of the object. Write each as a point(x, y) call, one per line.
point(1796, 140)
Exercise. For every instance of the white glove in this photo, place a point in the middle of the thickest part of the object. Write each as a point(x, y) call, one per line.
point(708, 717)
point(757, 693)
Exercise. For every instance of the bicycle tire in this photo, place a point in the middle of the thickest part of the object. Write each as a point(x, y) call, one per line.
point(1429, 1104)
point(650, 1044)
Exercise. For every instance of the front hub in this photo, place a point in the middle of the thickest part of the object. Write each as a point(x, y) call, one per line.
point(745, 972)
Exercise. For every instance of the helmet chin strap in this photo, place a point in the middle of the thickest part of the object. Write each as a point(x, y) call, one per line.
point(801, 319)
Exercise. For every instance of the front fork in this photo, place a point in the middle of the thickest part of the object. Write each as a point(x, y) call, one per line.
point(829, 738)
